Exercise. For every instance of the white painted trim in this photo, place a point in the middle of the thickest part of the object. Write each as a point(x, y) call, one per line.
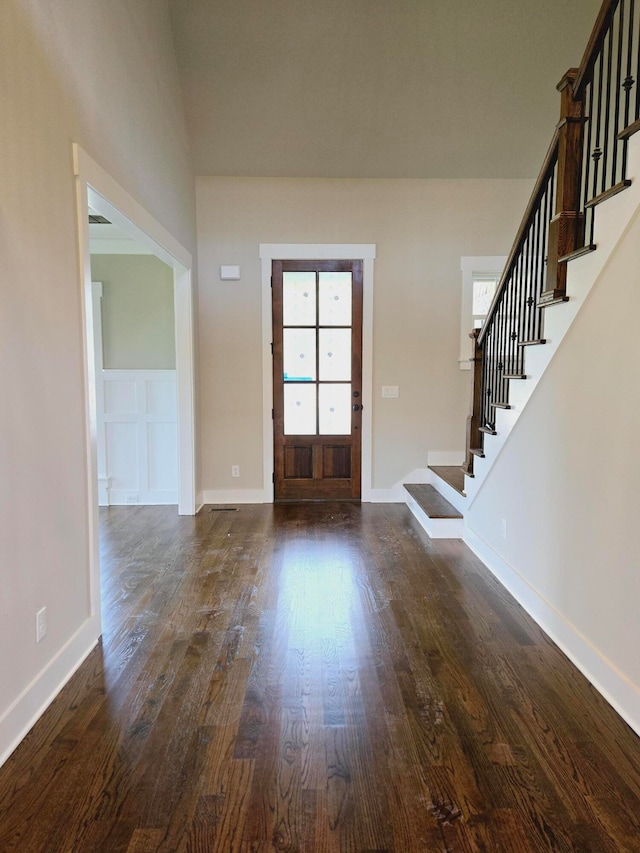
point(236, 496)
point(97, 188)
point(89, 348)
point(615, 687)
point(121, 209)
point(98, 352)
point(38, 695)
point(185, 380)
point(366, 252)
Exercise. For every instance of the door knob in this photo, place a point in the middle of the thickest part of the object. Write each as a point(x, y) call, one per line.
point(356, 407)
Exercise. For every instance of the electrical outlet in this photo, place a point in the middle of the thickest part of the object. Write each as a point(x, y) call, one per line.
point(41, 623)
point(503, 528)
point(235, 470)
point(389, 390)
point(131, 498)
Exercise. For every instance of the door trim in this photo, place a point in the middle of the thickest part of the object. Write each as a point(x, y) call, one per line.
point(96, 186)
point(309, 252)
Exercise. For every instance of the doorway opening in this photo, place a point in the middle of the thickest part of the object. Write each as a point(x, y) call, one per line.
point(134, 340)
point(98, 191)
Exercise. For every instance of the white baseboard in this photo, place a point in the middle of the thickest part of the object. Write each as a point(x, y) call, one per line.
point(236, 496)
point(615, 687)
point(24, 712)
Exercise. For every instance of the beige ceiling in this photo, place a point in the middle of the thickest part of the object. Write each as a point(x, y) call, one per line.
point(375, 88)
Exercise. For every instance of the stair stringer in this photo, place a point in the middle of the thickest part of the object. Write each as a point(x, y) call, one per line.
point(612, 218)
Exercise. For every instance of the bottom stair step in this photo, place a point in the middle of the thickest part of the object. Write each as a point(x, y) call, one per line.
point(431, 501)
point(433, 512)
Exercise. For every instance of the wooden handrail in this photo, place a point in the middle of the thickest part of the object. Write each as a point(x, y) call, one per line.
point(598, 34)
point(538, 191)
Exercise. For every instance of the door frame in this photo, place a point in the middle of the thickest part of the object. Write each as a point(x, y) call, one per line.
point(96, 187)
point(270, 252)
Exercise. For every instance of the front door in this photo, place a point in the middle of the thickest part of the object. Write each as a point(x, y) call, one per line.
point(317, 379)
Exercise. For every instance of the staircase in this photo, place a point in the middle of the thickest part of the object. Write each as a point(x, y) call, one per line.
point(593, 162)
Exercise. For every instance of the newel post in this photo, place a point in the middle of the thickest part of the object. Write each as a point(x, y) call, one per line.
point(474, 436)
point(567, 226)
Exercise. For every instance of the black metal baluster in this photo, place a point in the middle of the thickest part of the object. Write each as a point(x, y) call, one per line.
point(541, 266)
point(521, 311)
point(517, 302)
point(627, 85)
point(616, 109)
point(607, 114)
point(597, 151)
point(534, 232)
point(588, 212)
point(508, 343)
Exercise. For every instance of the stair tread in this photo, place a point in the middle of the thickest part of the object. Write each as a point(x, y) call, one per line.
point(453, 475)
point(501, 405)
point(478, 451)
point(488, 430)
point(578, 253)
point(532, 343)
point(431, 501)
point(546, 303)
point(515, 376)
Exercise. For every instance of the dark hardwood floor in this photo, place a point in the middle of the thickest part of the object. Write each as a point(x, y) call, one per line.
point(317, 677)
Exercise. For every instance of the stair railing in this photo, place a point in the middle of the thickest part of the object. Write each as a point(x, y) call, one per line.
point(585, 164)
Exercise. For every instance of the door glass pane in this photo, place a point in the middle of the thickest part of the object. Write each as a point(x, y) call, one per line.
point(335, 298)
point(298, 298)
point(335, 355)
point(299, 355)
point(335, 409)
point(299, 409)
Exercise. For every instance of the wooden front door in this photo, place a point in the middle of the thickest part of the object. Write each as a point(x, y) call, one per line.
point(317, 379)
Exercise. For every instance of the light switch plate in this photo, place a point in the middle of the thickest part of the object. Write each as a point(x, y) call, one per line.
point(389, 390)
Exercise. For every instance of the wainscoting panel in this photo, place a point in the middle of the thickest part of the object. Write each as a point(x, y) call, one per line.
point(138, 437)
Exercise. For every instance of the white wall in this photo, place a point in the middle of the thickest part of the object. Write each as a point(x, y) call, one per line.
point(421, 229)
point(566, 483)
point(102, 74)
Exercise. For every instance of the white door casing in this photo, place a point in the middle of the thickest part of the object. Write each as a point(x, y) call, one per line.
point(95, 187)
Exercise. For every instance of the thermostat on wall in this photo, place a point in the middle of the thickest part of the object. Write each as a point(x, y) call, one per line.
point(228, 273)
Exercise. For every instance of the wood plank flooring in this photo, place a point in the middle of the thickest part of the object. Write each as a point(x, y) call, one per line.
point(318, 677)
